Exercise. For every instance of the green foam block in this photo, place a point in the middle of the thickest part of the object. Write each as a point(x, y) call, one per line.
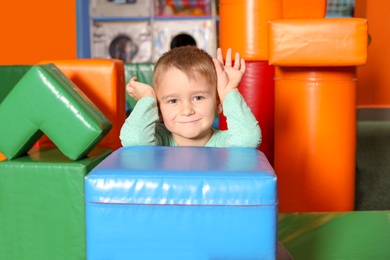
point(45, 101)
point(42, 209)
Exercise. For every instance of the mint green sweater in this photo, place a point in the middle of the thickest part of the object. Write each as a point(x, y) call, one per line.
point(142, 126)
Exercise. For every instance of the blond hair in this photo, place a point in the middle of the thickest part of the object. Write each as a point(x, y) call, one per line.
point(191, 60)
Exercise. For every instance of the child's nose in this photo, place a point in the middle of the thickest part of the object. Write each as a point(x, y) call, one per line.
point(187, 108)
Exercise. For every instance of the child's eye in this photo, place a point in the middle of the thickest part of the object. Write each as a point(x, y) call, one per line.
point(197, 98)
point(172, 101)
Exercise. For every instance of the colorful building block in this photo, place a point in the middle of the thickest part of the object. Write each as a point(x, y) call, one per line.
point(42, 209)
point(103, 82)
point(318, 42)
point(45, 101)
point(151, 202)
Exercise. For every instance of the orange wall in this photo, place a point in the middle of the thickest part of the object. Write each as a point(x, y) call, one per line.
point(373, 85)
point(32, 31)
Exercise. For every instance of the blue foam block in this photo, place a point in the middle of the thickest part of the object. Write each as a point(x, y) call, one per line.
point(182, 203)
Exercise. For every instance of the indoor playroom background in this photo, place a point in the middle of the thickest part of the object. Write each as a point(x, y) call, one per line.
point(323, 170)
point(84, 29)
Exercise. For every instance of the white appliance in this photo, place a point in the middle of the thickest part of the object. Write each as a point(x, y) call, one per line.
point(130, 41)
point(200, 31)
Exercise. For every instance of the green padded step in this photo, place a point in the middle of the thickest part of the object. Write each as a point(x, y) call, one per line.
point(9, 76)
point(336, 235)
point(42, 209)
point(44, 100)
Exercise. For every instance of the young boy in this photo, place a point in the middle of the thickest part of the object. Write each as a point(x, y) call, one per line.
point(189, 88)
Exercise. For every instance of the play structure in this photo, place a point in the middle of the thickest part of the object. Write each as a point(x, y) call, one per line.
point(300, 85)
point(68, 190)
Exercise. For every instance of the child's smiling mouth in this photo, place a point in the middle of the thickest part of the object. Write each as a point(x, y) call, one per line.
point(189, 122)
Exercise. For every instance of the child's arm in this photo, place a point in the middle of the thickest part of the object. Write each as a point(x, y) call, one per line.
point(229, 77)
point(243, 128)
point(139, 127)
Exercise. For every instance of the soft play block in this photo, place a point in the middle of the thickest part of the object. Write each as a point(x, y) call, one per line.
point(42, 209)
point(336, 235)
point(103, 82)
point(315, 174)
point(151, 202)
point(45, 101)
point(9, 76)
point(318, 42)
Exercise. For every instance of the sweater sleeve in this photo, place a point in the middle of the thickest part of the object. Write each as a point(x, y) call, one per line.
point(139, 127)
point(243, 128)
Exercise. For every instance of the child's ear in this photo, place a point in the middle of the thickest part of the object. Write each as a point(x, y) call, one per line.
point(218, 109)
point(160, 118)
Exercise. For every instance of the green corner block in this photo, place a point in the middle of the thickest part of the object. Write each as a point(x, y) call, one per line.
point(42, 209)
point(45, 101)
point(9, 76)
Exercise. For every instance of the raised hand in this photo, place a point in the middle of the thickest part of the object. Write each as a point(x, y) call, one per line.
point(138, 90)
point(229, 77)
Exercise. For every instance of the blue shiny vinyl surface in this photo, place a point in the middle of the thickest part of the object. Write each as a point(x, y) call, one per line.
point(183, 176)
point(119, 231)
point(181, 203)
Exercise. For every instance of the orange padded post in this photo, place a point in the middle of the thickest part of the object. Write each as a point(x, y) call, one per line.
point(304, 9)
point(373, 89)
point(315, 112)
point(244, 26)
point(315, 138)
point(103, 82)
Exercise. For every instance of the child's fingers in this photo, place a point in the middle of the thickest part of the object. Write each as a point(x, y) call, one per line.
point(132, 82)
point(130, 86)
point(217, 65)
point(219, 55)
point(237, 61)
point(243, 66)
point(228, 59)
point(133, 78)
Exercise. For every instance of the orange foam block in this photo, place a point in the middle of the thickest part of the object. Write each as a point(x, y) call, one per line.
point(318, 42)
point(244, 26)
point(103, 82)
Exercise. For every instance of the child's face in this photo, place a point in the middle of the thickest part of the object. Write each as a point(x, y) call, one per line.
point(187, 107)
